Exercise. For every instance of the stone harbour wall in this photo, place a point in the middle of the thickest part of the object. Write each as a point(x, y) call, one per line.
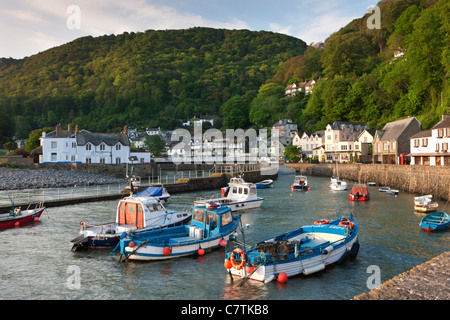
point(428, 281)
point(413, 179)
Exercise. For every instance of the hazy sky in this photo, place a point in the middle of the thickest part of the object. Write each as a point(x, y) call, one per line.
point(30, 26)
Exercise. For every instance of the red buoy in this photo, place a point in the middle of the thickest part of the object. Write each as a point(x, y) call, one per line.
point(223, 243)
point(227, 264)
point(36, 219)
point(201, 252)
point(249, 268)
point(167, 251)
point(16, 224)
point(132, 244)
point(282, 277)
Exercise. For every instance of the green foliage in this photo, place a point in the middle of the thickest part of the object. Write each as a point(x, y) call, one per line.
point(33, 139)
point(155, 144)
point(146, 78)
point(292, 152)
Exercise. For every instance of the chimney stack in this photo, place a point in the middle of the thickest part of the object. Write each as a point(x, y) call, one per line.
point(58, 130)
point(69, 128)
point(125, 130)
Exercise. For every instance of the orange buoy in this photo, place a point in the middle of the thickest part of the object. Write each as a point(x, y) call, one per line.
point(347, 224)
point(282, 277)
point(227, 264)
point(200, 252)
point(322, 221)
point(167, 251)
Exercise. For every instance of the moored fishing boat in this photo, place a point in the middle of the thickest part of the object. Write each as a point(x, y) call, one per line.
point(18, 217)
point(133, 213)
point(384, 189)
point(435, 221)
point(306, 250)
point(300, 184)
point(159, 193)
point(264, 184)
point(359, 192)
point(211, 227)
point(239, 195)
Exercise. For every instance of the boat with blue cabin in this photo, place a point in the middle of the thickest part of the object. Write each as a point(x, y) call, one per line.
point(211, 227)
point(238, 195)
point(435, 221)
point(135, 212)
point(300, 184)
point(306, 250)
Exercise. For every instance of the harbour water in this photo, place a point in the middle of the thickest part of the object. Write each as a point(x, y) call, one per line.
point(37, 261)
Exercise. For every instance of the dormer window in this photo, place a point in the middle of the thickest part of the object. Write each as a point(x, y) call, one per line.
point(118, 146)
point(88, 146)
point(102, 147)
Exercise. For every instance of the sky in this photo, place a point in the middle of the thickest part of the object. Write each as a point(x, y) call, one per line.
point(28, 27)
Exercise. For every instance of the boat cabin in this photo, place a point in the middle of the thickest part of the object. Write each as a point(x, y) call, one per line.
point(138, 211)
point(210, 220)
point(300, 180)
point(238, 189)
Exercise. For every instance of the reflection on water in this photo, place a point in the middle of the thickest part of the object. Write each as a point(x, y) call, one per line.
point(36, 258)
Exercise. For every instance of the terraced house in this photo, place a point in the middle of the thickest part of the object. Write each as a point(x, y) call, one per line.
point(430, 147)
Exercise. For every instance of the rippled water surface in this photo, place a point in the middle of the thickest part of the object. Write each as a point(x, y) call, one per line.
point(37, 262)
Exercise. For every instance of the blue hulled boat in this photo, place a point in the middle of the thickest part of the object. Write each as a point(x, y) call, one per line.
point(435, 221)
point(211, 227)
point(306, 250)
point(264, 184)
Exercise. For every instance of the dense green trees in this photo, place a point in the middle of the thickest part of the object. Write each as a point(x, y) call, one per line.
point(152, 78)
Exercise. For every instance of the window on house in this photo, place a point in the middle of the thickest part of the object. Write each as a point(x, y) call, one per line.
point(54, 144)
point(425, 142)
point(54, 157)
point(445, 147)
point(118, 146)
point(343, 148)
point(440, 133)
point(102, 160)
point(88, 160)
point(74, 145)
point(437, 147)
point(118, 160)
point(88, 147)
point(102, 147)
point(72, 158)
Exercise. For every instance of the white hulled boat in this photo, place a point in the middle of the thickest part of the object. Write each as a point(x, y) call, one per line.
point(239, 195)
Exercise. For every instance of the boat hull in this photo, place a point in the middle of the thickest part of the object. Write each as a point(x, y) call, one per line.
point(311, 259)
point(264, 184)
point(435, 221)
point(177, 249)
point(25, 217)
point(108, 235)
point(299, 188)
point(233, 205)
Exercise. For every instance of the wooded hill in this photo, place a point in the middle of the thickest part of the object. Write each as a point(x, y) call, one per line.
point(153, 78)
point(157, 78)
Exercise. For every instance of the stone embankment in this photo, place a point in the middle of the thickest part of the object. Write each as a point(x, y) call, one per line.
point(428, 281)
point(16, 179)
point(421, 180)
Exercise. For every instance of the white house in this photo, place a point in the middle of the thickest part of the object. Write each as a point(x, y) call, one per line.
point(340, 140)
point(309, 141)
point(430, 147)
point(60, 146)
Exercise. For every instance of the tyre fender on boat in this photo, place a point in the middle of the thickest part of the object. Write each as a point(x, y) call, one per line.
point(237, 251)
point(354, 250)
point(343, 258)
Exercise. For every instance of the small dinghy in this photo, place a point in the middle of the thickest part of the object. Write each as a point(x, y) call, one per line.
point(18, 217)
point(264, 184)
point(211, 227)
point(435, 221)
point(306, 250)
point(428, 207)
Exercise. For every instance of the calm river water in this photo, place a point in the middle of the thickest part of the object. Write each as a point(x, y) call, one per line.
point(37, 261)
